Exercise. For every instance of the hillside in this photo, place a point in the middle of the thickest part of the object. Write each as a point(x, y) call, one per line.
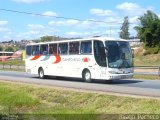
point(145, 60)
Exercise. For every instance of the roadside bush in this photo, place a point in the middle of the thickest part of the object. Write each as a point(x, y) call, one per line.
point(146, 53)
point(152, 50)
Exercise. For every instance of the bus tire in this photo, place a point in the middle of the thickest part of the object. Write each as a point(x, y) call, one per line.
point(87, 76)
point(41, 73)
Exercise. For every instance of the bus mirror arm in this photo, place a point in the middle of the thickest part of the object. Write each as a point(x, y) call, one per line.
point(106, 51)
point(132, 53)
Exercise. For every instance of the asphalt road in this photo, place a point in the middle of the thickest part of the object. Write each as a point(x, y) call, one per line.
point(131, 87)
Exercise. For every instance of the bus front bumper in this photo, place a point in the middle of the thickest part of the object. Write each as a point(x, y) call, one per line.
point(119, 76)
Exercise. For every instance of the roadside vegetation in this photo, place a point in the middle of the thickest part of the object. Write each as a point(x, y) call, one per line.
point(147, 77)
point(141, 59)
point(34, 99)
point(13, 62)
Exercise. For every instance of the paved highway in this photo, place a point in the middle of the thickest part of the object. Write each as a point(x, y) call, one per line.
point(132, 87)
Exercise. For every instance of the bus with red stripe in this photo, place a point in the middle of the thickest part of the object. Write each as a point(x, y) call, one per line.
point(91, 58)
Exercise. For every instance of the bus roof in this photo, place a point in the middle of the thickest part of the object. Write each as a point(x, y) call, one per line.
point(83, 39)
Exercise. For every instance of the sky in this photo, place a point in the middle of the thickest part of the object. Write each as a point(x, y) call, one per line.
point(70, 18)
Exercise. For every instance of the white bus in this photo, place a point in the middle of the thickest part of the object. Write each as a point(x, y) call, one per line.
point(92, 58)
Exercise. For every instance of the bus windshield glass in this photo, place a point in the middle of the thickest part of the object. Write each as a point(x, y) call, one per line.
point(119, 54)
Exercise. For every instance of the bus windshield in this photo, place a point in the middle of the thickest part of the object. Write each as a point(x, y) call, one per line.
point(119, 54)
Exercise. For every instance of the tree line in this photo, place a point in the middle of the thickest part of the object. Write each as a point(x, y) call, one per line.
point(8, 49)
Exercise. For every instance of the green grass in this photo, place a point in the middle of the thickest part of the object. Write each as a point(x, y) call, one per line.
point(145, 60)
point(148, 60)
point(147, 77)
point(28, 99)
point(12, 95)
point(13, 62)
point(12, 69)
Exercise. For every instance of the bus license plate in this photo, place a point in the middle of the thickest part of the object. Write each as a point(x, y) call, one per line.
point(123, 77)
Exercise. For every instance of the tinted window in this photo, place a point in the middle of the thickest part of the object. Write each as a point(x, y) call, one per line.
point(53, 49)
point(99, 53)
point(86, 47)
point(44, 49)
point(74, 48)
point(63, 48)
point(35, 50)
point(28, 50)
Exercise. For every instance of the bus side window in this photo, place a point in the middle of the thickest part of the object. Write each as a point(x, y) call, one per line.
point(35, 50)
point(74, 48)
point(28, 50)
point(44, 49)
point(52, 49)
point(63, 48)
point(86, 47)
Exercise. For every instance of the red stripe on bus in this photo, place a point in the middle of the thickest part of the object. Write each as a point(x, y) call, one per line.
point(58, 59)
point(36, 57)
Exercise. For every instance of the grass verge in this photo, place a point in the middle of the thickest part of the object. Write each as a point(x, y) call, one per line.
point(37, 100)
point(12, 69)
point(146, 60)
point(147, 77)
point(13, 62)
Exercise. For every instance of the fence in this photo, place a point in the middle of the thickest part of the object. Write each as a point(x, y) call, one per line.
point(12, 67)
point(147, 70)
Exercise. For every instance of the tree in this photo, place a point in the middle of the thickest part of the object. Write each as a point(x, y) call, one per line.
point(124, 33)
point(9, 49)
point(149, 31)
point(1, 48)
point(49, 38)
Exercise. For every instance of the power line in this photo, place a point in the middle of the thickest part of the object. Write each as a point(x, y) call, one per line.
point(60, 17)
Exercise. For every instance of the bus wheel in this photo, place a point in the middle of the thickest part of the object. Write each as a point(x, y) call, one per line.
point(87, 76)
point(41, 73)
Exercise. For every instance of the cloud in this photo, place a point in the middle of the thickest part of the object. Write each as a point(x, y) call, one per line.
point(31, 34)
point(75, 24)
point(106, 33)
point(158, 15)
point(128, 6)
point(101, 12)
point(73, 34)
point(134, 19)
point(86, 24)
point(132, 9)
point(35, 27)
point(72, 22)
point(64, 23)
point(50, 13)
point(4, 30)
point(3, 23)
point(29, 1)
point(35, 31)
point(79, 34)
